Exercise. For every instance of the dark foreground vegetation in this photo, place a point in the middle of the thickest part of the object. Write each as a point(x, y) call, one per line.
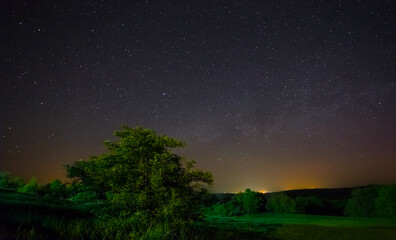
point(141, 190)
point(25, 216)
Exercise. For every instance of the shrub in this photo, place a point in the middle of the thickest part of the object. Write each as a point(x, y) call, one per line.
point(362, 202)
point(57, 189)
point(303, 204)
point(249, 201)
point(217, 209)
point(31, 187)
point(86, 196)
point(17, 182)
point(7, 181)
point(280, 203)
point(385, 203)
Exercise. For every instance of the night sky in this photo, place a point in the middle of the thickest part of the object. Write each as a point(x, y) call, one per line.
point(268, 95)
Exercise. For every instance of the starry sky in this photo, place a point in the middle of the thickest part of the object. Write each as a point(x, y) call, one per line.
point(269, 95)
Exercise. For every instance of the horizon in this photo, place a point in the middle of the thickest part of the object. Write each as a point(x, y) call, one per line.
point(68, 181)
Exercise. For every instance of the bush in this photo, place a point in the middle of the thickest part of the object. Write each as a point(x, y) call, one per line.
point(17, 182)
point(234, 207)
point(7, 181)
point(250, 201)
point(86, 196)
point(280, 203)
point(385, 203)
point(304, 204)
point(362, 202)
point(57, 189)
point(217, 209)
point(31, 187)
point(247, 202)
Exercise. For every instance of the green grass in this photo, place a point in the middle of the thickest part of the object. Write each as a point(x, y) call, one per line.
point(325, 221)
point(300, 226)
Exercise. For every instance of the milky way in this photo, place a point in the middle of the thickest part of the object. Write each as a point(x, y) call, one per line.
point(267, 94)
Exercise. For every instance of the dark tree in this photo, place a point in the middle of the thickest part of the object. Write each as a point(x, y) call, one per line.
point(57, 189)
point(250, 201)
point(31, 187)
point(385, 203)
point(362, 202)
point(7, 181)
point(280, 203)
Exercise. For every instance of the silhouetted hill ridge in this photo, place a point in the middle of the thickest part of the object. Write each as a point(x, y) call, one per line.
point(323, 193)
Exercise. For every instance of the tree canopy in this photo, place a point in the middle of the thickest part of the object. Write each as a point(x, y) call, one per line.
point(31, 187)
point(143, 178)
point(250, 201)
point(280, 203)
point(8, 181)
point(385, 203)
point(362, 202)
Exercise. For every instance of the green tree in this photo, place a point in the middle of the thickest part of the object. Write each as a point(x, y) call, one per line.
point(250, 201)
point(85, 196)
point(57, 189)
point(83, 183)
point(147, 180)
point(5, 179)
point(362, 202)
point(17, 182)
point(303, 204)
point(217, 209)
point(280, 203)
point(31, 187)
point(385, 203)
point(234, 207)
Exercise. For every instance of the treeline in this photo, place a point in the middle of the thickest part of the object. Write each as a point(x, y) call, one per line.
point(250, 202)
point(53, 190)
point(371, 201)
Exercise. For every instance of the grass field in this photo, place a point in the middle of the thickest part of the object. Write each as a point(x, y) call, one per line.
point(31, 217)
point(300, 226)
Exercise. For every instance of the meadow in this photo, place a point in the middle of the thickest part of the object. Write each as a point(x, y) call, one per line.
point(302, 226)
point(25, 216)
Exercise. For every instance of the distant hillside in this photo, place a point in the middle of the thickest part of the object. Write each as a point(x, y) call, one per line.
point(323, 193)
